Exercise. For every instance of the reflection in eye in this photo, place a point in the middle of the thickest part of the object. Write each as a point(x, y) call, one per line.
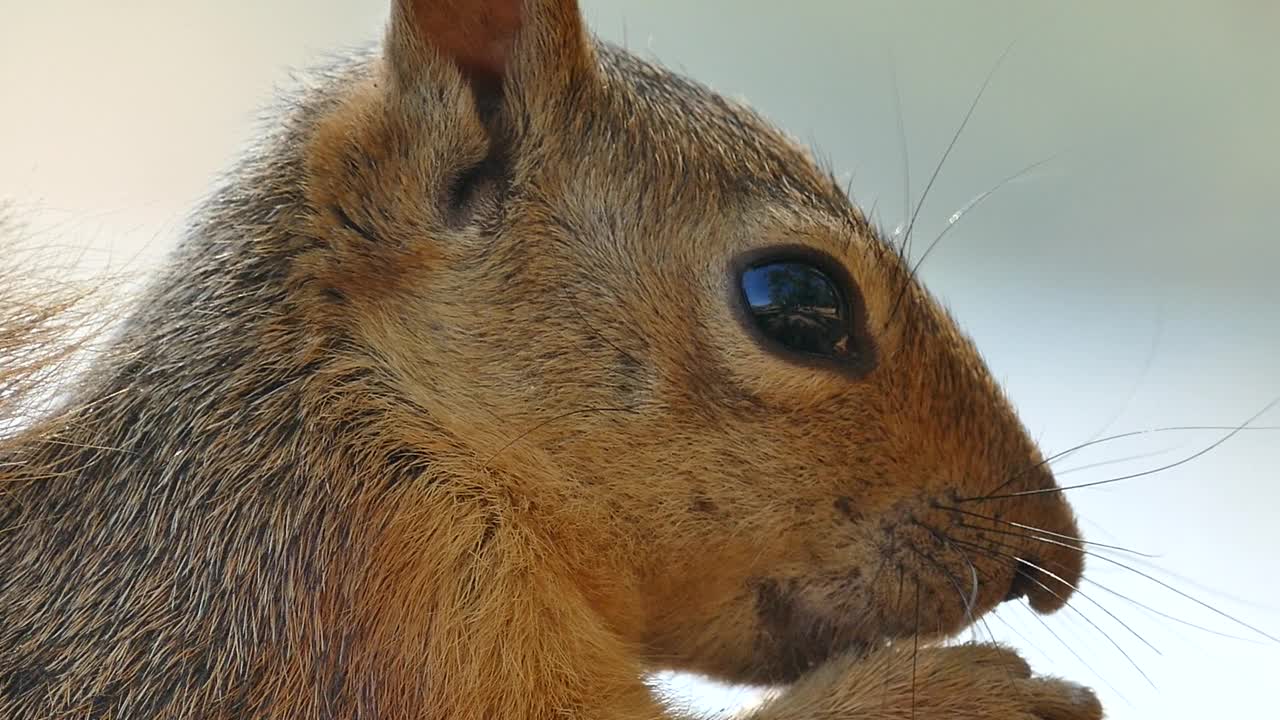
point(798, 306)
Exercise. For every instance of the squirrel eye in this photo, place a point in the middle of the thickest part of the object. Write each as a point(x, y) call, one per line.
point(797, 306)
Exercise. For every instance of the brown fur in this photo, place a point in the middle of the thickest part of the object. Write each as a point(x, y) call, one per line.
point(441, 411)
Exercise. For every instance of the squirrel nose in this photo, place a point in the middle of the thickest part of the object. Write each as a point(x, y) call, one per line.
point(1024, 581)
point(1044, 590)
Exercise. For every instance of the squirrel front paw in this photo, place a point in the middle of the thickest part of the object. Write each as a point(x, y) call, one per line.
point(962, 682)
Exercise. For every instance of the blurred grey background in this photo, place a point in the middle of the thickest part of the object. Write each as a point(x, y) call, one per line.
point(1128, 282)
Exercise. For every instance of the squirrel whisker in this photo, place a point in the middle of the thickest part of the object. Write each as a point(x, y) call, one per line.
point(1041, 531)
point(1094, 581)
point(1039, 570)
point(1233, 430)
point(924, 195)
point(1032, 578)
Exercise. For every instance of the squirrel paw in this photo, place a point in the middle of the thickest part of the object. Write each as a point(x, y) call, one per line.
point(961, 682)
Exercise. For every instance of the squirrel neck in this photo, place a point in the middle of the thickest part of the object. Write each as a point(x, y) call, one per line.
point(227, 478)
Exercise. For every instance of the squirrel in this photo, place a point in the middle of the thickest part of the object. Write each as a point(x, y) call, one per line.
point(506, 369)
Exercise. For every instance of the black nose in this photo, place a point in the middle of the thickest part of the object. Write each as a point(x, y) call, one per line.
point(1024, 581)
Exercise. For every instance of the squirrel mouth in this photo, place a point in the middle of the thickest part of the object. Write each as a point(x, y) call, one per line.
point(1031, 581)
point(794, 637)
point(793, 640)
point(792, 658)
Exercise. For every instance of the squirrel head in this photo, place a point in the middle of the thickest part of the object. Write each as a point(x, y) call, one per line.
point(654, 329)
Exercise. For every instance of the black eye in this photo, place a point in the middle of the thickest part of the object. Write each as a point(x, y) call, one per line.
point(800, 306)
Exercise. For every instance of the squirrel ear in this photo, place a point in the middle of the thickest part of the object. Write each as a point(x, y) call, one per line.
point(477, 35)
point(490, 41)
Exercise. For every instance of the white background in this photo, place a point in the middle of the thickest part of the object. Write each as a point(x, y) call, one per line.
point(1128, 283)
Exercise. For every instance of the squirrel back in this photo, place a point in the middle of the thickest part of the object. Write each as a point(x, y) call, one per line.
point(506, 368)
